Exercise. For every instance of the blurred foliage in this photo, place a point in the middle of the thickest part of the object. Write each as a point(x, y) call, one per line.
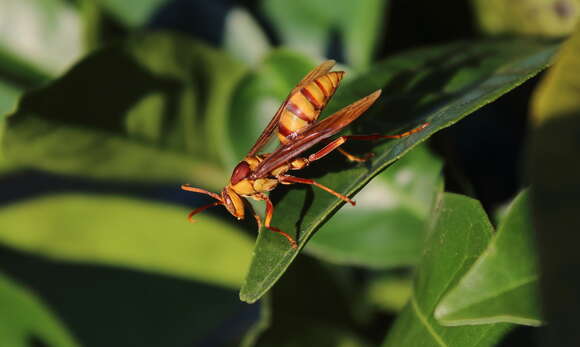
point(45, 34)
point(309, 26)
point(399, 290)
point(553, 169)
point(166, 86)
point(107, 106)
point(24, 318)
point(323, 309)
point(557, 95)
point(548, 18)
point(244, 38)
point(132, 13)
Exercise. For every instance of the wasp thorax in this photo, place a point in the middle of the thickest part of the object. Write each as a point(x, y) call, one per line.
point(241, 171)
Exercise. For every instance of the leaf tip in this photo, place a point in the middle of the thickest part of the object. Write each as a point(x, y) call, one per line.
point(246, 297)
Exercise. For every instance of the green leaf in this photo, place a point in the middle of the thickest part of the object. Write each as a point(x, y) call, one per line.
point(24, 316)
point(547, 18)
point(133, 13)
point(440, 85)
point(459, 235)
point(308, 26)
point(108, 230)
point(502, 284)
point(44, 34)
point(557, 94)
point(386, 228)
point(150, 109)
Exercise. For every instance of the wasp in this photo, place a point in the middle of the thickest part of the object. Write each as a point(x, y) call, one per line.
point(298, 129)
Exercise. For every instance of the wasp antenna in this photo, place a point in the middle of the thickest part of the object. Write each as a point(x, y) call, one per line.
point(202, 191)
point(201, 209)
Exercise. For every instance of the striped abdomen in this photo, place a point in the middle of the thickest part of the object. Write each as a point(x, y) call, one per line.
point(305, 105)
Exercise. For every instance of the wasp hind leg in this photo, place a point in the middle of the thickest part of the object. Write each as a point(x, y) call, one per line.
point(293, 179)
point(335, 144)
point(352, 157)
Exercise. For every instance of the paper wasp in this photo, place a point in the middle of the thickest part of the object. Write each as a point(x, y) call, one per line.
point(297, 128)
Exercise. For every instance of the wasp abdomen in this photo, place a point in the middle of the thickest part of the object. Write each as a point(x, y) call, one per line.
point(304, 107)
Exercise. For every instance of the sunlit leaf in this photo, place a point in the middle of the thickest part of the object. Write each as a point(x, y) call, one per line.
point(557, 94)
point(46, 34)
point(243, 37)
point(153, 237)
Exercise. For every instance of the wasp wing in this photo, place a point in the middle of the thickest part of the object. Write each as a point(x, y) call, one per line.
point(314, 134)
point(318, 71)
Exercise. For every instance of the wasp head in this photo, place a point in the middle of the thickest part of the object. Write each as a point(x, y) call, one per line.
point(233, 202)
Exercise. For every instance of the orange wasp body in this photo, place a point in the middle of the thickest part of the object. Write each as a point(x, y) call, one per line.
point(297, 128)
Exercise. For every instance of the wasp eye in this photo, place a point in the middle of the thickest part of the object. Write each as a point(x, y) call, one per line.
point(241, 171)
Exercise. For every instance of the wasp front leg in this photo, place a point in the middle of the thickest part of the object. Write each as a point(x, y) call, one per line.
point(287, 179)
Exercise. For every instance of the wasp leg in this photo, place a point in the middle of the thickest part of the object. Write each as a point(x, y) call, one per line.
point(293, 179)
point(339, 141)
point(269, 214)
point(353, 157)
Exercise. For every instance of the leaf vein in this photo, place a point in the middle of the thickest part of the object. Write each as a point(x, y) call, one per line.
point(425, 322)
